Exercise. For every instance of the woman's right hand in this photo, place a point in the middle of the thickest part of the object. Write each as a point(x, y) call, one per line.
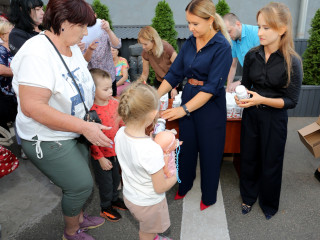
point(93, 132)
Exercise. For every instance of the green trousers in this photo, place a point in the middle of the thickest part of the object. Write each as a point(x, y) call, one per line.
point(66, 164)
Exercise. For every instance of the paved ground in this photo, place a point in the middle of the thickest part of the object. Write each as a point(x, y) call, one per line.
point(30, 205)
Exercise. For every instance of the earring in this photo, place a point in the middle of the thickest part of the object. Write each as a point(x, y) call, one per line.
point(62, 29)
point(210, 27)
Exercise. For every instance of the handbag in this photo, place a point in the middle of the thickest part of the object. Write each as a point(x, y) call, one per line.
point(8, 161)
point(90, 116)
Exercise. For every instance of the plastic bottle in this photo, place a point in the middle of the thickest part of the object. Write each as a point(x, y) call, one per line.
point(164, 102)
point(230, 110)
point(160, 126)
point(241, 92)
point(175, 103)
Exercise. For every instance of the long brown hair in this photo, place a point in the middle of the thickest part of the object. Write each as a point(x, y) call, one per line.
point(277, 15)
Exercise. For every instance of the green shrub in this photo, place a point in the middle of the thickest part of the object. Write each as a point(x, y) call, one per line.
point(311, 57)
point(222, 8)
point(102, 11)
point(164, 23)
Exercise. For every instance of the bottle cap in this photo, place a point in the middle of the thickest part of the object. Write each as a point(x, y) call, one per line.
point(161, 120)
point(240, 89)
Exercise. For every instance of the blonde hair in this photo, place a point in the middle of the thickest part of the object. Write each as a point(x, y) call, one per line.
point(277, 15)
point(4, 27)
point(136, 102)
point(150, 34)
point(98, 74)
point(206, 9)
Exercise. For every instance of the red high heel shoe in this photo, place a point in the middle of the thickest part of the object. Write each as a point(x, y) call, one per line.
point(203, 206)
point(177, 197)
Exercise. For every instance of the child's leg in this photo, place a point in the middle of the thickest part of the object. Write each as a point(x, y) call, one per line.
point(146, 236)
point(104, 181)
point(115, 178)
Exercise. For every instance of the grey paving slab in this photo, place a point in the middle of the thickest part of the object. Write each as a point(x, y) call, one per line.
point(299, 215)
point(30, 205)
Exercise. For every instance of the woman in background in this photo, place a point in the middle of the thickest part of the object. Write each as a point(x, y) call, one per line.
point(8, 101)
point(26, 15)
point(273, 74)
point(156, 53)
point(122, 66)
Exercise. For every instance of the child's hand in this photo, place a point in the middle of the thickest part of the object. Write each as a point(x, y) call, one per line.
point(105, 164)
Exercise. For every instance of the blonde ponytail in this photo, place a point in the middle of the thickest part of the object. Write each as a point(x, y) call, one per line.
point(219, 25)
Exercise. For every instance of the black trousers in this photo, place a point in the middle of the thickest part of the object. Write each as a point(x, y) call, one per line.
point(263, 139)
point(8, 110)
point(114, 88)
point(203, 135)
point(107, 181)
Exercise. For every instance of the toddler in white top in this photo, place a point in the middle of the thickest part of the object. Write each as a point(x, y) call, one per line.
point(142, 161)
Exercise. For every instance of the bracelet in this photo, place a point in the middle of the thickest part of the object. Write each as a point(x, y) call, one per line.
point(186, 109)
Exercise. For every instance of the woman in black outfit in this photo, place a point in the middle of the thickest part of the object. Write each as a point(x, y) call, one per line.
point(273, 74)
point(26, 15)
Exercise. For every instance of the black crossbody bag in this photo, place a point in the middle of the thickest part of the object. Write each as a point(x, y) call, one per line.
point(90, 116)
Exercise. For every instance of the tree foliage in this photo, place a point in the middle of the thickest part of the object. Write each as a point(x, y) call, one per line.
point(311, 57)
point(102, 11)
point(164, 23)
point(222, 8)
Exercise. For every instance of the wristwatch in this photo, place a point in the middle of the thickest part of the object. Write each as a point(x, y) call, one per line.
point(186, 110)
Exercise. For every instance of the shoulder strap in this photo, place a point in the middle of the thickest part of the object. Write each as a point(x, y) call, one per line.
point(64, 63)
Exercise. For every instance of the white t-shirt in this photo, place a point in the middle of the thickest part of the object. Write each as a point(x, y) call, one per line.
point(139, 158)
point(38, 64)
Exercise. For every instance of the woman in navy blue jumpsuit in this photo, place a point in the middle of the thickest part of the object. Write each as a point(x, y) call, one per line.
point(205, 59)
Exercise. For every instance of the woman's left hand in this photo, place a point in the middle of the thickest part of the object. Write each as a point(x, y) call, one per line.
point(256, 99)
point(173, 113)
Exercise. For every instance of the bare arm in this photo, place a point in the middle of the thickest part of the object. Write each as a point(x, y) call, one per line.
point(145, 69)
point(124, 78)
point(196, 102)
point(113, 38)
point(164, 88)
point(173, 56)
point(34, 104)
point(5, 71)
point(88, 54)
point(162, 184)
point(232, 73)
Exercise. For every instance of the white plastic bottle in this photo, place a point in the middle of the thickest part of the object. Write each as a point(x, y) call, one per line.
point(159, 126)
point(241, 92)
point(164, 102)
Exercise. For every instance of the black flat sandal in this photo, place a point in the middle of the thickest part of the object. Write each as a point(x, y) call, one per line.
point(245, 208)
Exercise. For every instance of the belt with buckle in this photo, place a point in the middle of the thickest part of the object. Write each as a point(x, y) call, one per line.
point(195, 82)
